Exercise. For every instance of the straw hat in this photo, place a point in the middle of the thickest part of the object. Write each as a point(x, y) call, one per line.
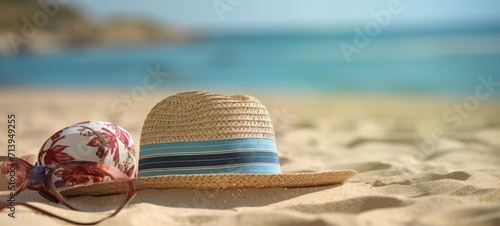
point(204, 140)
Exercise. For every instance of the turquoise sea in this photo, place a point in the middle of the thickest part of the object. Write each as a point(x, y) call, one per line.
point(435, 62)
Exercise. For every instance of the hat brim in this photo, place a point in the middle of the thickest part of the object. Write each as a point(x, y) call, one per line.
point(220, 181)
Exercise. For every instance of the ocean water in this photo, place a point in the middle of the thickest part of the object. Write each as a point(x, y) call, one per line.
point(418, 62)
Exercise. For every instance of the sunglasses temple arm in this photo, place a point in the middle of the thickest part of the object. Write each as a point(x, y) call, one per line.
point(3, 206)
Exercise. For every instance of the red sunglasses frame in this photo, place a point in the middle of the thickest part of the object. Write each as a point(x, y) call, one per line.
point(39, 178)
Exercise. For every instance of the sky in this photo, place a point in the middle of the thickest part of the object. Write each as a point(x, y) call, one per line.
point(271, 14)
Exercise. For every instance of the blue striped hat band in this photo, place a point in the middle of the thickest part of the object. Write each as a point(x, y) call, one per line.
point(245, 155)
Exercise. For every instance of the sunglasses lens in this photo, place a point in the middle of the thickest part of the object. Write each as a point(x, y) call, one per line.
point(68, 177)
point(12, 175)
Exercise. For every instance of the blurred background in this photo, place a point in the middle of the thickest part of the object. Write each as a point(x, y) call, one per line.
point(374, 47)
point(384, 87)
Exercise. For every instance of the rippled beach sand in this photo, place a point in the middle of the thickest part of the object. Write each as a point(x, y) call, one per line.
point(406, 175)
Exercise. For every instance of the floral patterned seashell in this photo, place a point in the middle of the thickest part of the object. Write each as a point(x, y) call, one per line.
point(93, 141)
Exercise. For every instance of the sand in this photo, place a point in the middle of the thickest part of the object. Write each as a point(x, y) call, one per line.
point(457, 183)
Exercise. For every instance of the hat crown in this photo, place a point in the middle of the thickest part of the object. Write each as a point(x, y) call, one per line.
point(200, 132)
point(202, 116)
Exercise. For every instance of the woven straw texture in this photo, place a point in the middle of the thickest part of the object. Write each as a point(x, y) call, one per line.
point(221, 181)
point(200, 115)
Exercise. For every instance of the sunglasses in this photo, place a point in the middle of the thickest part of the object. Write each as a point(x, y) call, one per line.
point(51, 182)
